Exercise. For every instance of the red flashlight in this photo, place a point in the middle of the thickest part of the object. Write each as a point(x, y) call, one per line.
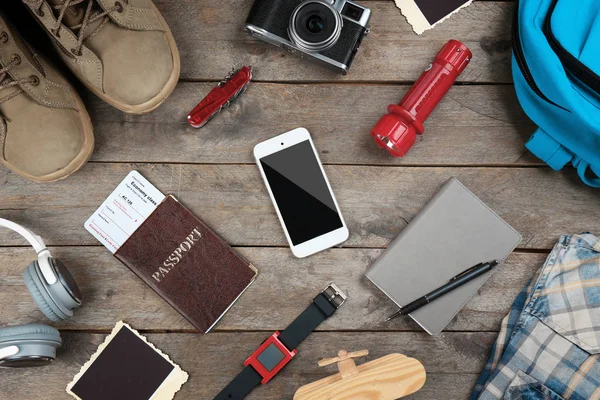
point(397, 131)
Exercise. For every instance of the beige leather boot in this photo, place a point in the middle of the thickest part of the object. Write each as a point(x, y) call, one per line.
point(45, 131)
point(122, 50)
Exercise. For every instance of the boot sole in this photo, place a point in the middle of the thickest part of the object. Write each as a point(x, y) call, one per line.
point(78, 162)
point(157, 100)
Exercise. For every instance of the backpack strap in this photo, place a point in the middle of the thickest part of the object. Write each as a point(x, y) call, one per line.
point(544, 147)
point(557, 156)
point(588, 174)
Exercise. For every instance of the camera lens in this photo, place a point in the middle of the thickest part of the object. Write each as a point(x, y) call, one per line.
point(315, 25)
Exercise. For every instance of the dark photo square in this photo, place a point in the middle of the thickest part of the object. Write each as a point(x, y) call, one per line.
point(127, 369)
point(435, 10)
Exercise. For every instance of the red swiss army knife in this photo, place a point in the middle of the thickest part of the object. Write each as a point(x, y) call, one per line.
point(220, 97)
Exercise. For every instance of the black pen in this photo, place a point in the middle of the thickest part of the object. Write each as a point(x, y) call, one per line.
point(454, 283)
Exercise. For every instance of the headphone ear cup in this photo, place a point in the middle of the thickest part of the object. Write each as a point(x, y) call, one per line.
point(29, 332)
point(34, 285)
point(37, 345)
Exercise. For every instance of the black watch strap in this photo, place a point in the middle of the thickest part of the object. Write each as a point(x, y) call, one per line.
point(241, 385)
point(322, 307)
point(319, 310)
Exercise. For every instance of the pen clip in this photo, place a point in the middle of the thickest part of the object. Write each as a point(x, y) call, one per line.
point(466, 272)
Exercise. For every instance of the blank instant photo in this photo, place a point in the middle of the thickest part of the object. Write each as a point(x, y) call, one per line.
point(127, 367)
point(425, 14)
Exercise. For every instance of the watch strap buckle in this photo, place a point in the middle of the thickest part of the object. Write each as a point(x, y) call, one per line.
point(335, 295)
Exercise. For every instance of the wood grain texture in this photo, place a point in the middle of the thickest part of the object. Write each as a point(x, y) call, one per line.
point(211, 41)
point(477, 134)
point(474, 125)
point(284, 288)
point(377, 202)
point(452, 362)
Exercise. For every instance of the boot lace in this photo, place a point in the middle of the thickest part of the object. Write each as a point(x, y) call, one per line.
point(6, 81)
point(91, 15)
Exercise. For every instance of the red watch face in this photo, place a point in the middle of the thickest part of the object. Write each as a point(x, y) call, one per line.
point(270, 358)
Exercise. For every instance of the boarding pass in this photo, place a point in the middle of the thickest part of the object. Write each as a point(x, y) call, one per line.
point(124, 211)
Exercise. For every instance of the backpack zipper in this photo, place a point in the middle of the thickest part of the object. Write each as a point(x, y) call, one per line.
point(576, 67)
point(522, 63)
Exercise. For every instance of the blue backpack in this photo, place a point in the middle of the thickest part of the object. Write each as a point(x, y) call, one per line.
point(556, 68)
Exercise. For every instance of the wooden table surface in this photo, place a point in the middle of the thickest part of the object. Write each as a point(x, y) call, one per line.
point(477, 134)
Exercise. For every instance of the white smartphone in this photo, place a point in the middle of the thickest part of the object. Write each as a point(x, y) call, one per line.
point(301, 193)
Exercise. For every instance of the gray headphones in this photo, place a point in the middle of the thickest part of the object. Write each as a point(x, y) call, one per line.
point(56, 294)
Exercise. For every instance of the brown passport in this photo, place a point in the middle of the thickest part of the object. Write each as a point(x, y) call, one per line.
point(187, 264)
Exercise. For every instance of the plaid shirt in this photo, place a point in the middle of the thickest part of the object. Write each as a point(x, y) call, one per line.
point(549, 344)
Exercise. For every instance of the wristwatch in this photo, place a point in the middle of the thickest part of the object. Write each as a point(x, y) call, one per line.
point(279, 349)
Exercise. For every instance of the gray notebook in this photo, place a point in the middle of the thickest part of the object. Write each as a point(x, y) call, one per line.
point(452, 233)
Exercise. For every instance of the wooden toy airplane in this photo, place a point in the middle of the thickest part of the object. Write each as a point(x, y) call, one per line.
point(387, 378)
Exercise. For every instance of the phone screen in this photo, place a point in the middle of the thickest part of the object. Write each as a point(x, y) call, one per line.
point(301, 193)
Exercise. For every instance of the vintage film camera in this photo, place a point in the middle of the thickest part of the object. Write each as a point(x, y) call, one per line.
point(326, 31)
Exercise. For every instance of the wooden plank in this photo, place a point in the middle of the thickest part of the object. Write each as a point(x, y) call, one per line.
point(474, 125)
point(377, 202)
point(211, 41)
point(285, 286)
point(453, 362)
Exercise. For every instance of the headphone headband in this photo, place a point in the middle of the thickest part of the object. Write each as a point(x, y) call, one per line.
point(33, 239)
point(8, 352)
point(38, 245)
